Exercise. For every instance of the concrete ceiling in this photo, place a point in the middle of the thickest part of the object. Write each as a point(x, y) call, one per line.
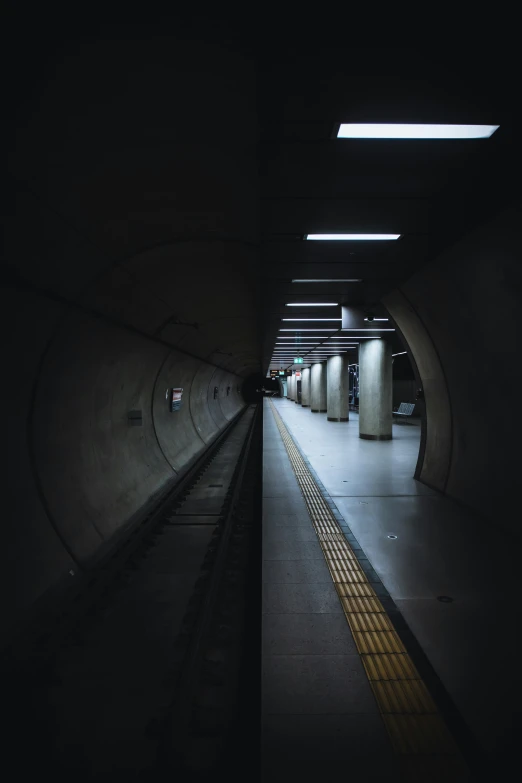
point(168, 178)
point(431, 192)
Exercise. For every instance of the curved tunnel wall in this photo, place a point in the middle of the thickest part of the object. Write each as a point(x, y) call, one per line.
point(435, 451)
point(132, 250)
point(81, 474)
point(460, 316)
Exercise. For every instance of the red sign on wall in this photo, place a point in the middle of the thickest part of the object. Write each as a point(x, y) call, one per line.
point(175, 399)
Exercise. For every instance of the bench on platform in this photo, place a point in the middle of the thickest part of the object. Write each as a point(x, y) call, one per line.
point(404, 409)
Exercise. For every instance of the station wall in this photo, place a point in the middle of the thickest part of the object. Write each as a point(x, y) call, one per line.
point(79, 473)
point(460, 316)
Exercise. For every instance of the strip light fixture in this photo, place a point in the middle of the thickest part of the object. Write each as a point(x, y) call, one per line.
point(352, 237)
point(400, 353)
point(312, 304)
point(330, 280)
point(354, 130)
point(302, 320)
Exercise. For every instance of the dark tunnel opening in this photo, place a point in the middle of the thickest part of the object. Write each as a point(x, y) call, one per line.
point(252, 388)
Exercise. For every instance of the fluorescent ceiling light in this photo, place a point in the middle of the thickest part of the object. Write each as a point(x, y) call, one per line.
point(413, 131)
point(297, 329)
point(312, 304)
point(330, 280)
point(353, 329)
point(302, 320)
point(366, 337)
point(377, 319)
point(400, 353)
point(352, 237)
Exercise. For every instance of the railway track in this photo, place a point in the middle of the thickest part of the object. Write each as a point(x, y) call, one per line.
point(154, 673)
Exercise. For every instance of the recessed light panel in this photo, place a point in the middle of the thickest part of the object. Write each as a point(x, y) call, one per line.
point(330, 280)
point(352, 237)
point(414, 131)
point(302, 320)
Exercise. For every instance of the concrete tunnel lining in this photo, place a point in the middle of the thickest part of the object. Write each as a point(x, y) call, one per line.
point(459, 316)
point(96, 475)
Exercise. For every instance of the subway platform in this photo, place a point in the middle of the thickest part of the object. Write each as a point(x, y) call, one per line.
point(389, 614)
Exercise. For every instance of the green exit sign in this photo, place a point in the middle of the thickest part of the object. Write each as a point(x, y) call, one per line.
point(298, 360)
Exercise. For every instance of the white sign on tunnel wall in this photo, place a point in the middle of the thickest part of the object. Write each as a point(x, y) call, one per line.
point(175, 399)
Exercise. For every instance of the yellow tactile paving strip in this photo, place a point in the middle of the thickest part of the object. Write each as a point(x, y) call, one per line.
point(420, 738)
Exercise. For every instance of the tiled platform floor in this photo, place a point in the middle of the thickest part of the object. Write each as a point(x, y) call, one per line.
point(318, 708)
point(440, 549)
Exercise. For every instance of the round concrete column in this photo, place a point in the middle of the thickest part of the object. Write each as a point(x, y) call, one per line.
point(337, 388)
point(375, 390)
point(318, 388)
point(305, 388)
point(289, 395)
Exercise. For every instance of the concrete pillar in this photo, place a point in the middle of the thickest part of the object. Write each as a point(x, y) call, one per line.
point(318, 388)
point(337, 397)
point(296, 396)
point(375, 390)
point(291, 386)
point(305, 388)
